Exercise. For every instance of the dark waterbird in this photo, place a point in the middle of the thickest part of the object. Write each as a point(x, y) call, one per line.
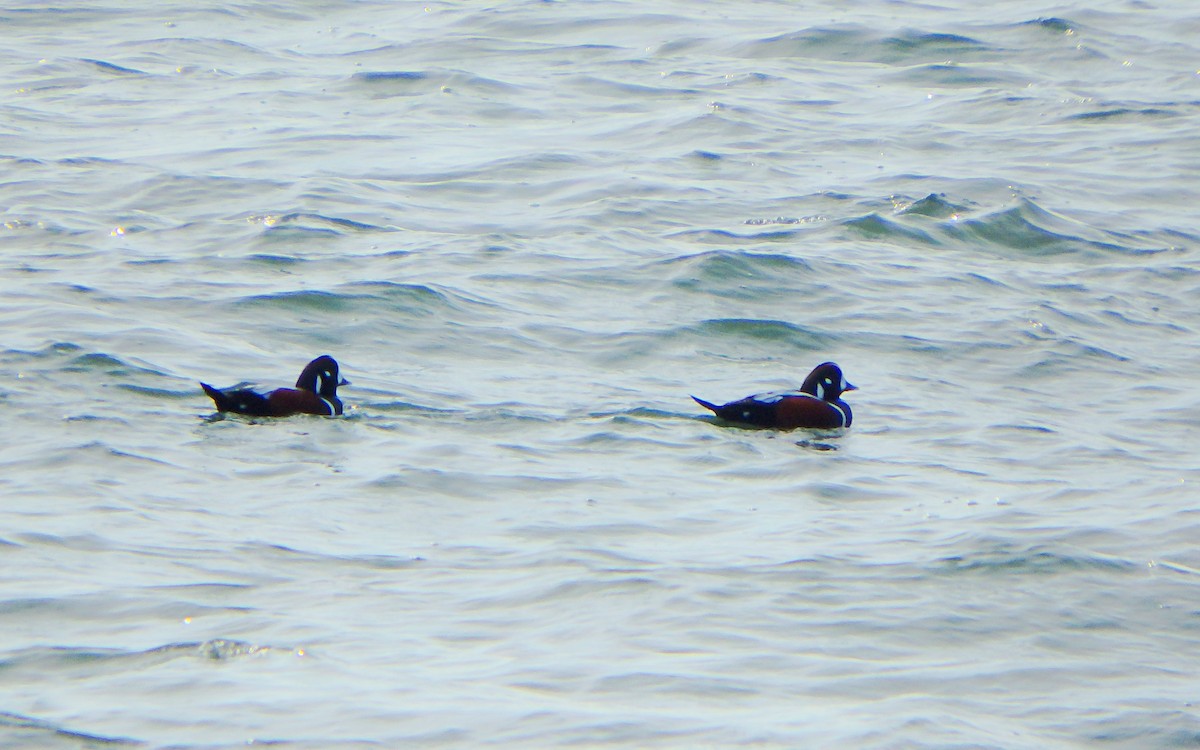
point(818, 403)
point(315, 393)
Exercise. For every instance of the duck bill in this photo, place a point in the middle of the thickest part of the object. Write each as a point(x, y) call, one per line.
point(850, 387)
point(344, 382)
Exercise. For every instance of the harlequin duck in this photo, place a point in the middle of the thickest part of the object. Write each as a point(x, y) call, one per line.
point(818, 403)
point(306, 398)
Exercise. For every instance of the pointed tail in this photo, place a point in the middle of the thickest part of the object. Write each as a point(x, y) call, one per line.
point(711, 407)
point(218, 398)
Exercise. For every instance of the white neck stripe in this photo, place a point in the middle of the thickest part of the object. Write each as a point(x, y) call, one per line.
point(333, 411)
point(839, 411)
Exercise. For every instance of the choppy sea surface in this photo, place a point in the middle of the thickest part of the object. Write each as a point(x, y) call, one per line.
point(528, 232)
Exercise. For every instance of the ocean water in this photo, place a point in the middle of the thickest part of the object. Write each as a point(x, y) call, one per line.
point(528, 232)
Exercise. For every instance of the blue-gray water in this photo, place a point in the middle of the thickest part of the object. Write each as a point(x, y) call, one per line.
point(528, 232)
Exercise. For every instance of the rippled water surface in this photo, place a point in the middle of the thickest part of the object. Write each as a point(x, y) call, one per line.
point(528, 233)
